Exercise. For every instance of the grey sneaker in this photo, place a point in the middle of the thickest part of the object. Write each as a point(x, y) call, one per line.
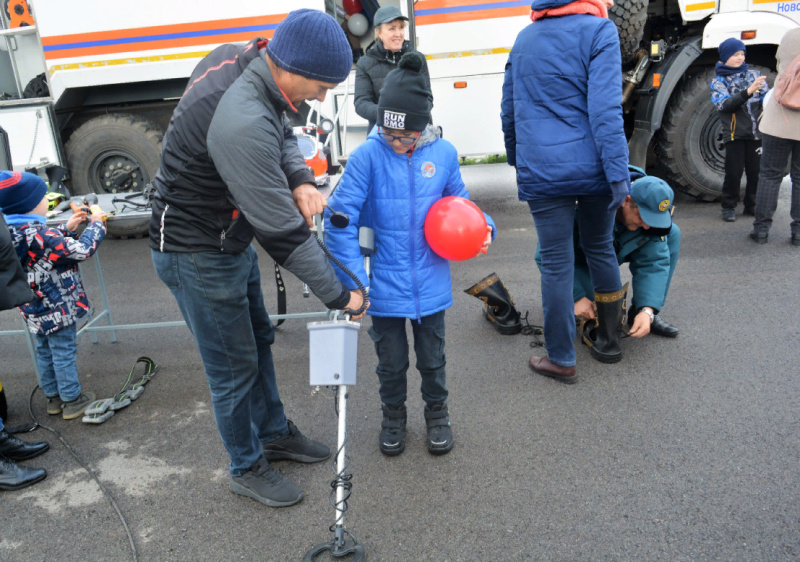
point(266, 485)
point(77, 407)
point(54, 405)
point(294, 446)
point(728, 215)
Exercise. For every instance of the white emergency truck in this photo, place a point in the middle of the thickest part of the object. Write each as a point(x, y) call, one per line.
point(90, 85)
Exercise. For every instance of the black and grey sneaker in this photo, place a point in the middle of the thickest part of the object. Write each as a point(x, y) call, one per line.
point(392, 439)
point(266, 485)
point(728, 215)
point(75, 408)
point(294, 446)
point(440, 434)
point(54, 405)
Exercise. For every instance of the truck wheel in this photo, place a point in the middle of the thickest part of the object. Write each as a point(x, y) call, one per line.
point(630, 16)
point(114, 154)
point(690, 145)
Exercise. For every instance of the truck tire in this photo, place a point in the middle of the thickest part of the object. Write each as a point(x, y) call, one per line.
point(689, 144)
point(630, 17)
point(115, 153)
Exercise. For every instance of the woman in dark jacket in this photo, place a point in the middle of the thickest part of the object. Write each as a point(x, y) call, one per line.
point(381, 58)
point(562, 121)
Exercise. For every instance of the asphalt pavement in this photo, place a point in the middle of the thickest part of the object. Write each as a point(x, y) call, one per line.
point(686, 450)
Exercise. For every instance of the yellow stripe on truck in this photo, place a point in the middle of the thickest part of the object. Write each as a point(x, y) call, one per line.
point(477, 53)
point(127, 60)
point(701, 6)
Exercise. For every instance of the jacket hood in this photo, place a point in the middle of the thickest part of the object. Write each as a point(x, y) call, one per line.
point(546, 4)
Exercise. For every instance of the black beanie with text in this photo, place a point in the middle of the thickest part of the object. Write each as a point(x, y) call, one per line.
point(404, 102)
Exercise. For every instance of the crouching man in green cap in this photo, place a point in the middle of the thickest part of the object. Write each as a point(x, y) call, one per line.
point(646, 238)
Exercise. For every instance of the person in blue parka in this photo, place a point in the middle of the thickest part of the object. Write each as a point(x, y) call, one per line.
point(649, 242)
point(389, 184)
point(562, 122)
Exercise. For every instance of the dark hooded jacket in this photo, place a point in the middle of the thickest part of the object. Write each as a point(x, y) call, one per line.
point(14, 287)
point(229, 163)
point(371, 70)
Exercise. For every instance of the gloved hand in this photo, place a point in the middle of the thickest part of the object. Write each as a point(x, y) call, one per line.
point(619, 191)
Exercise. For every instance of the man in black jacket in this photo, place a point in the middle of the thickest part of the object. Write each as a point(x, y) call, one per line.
point(230, 171)
point(15, 291)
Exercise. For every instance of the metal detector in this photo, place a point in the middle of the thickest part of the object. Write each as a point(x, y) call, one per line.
point(333, 355)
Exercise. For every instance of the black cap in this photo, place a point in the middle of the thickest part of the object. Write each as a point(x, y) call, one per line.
point(404, 103)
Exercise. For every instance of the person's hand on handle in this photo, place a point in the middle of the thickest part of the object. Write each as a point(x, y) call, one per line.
point(75, 220)
point(309, 201)
point(641, 325)
point(619, 191)
point(356, 300)
point(586, 309)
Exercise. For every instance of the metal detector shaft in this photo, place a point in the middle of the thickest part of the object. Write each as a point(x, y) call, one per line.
point(338, 535)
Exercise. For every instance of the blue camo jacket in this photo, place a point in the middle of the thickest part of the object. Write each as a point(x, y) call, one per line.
point(50, 258)
point(391, 193)
point(739, 112)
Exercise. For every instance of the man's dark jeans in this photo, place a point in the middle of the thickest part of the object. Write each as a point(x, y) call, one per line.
point(391, 345)
point(220, 298)
point(777, 152)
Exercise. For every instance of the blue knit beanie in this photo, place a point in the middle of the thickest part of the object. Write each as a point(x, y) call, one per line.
point(20, 192)
point(310, 43)
point(729, 47)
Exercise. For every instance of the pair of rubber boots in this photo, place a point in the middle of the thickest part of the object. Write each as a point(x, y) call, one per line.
point(393, 429)
point(500, 310)
point(602, 335)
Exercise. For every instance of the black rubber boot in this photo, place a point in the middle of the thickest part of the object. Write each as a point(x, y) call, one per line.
point(440, 434)
point(500, 309)
point(393, 430)
point(602, 335)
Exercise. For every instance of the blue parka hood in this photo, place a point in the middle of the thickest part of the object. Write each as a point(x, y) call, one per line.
point(545, 4)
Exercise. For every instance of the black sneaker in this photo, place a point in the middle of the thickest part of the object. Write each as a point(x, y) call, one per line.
point(759, 237)
point(795, 239)
point(266, 485)
point(440, 434)
point(728, 215)
point(294, 446)
point(392, 438)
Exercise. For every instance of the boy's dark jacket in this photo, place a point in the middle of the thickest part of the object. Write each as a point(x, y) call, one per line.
point(14, 288)
point(739, 111)
point(50, 259)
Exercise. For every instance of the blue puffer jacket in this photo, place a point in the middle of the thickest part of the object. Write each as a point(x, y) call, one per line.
point(391, 193)
point(562, 106)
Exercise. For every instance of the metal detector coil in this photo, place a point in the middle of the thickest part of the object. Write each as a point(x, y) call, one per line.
point(333, 352)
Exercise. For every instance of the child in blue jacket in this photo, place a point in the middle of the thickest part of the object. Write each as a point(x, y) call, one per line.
point(389, 184)
point(738, 93)
point(50, 258)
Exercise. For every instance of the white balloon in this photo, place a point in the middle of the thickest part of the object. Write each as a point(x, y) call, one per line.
point(358, 24)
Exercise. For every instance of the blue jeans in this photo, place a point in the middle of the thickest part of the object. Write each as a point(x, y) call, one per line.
point(220, 298)
point(555, 220)
point(391, 345)
point(57, 356)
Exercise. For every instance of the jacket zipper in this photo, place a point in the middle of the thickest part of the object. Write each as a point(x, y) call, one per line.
point(412, 236)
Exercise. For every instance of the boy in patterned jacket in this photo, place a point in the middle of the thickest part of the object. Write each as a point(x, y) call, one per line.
point(50, 258)
point(738, 92)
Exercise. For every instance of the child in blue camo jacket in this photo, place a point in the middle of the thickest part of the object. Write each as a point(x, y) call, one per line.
point(738, 92)
point(50, 259)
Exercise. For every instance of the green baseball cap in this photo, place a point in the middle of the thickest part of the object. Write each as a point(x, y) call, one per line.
point(654, 198)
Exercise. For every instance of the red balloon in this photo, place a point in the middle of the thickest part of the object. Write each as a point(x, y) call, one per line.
point(352, 6)
point(455, 228)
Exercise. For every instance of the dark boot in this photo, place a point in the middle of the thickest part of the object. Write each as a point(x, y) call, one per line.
point(500, 309)
point(602, 334)
point(15, 477)
point(393, 430)
point(440, 434)
point(18, 450)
